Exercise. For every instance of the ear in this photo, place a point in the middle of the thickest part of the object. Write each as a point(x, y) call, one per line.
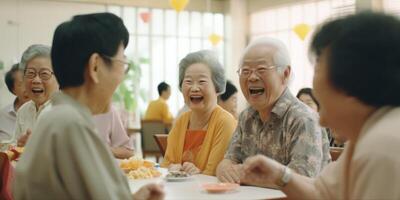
point(93, 67)
point(286, 74)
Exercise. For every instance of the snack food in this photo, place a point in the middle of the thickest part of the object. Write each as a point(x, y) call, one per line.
point(137, 168)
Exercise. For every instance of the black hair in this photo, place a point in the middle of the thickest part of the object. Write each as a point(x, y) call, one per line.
point(163, 86)
point(230, 89)
point(76, 40)
point(308, 91)
point(363, 56)
point(10, 77)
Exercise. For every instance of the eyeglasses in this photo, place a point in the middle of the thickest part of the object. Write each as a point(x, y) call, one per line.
point(125, 62)
point(44, 74)
point(261, 70)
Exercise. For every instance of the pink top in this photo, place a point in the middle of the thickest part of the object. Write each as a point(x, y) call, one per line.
point(111, 130)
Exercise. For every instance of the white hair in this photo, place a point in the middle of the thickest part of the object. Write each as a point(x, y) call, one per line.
point(281, 56)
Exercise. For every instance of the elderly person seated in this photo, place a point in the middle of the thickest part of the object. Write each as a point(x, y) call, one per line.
point(276, 123)
point(306, 96)
point(368, 115)
point(200, 137)
point(40, 84)
point(228, 100)
point(113, 133)
point(65, 158)
point(8, 114)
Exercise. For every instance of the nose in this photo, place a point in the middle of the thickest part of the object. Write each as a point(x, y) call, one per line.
point(36, 79)
point(195, 88)
point(253, 76)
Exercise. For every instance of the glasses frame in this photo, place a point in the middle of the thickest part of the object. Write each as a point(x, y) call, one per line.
point(125, 62)
point(256, 71)
point(37, 73)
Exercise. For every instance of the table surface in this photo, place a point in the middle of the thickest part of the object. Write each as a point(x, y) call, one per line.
point(191, 189)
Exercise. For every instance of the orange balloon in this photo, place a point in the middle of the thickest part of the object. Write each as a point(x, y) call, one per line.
point(178, 5)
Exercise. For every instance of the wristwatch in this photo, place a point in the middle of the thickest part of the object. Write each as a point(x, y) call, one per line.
point(286, 176)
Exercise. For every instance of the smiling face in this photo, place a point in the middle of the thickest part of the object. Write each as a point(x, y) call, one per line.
point(264, 84)
point(39, 90)
point(198, 88)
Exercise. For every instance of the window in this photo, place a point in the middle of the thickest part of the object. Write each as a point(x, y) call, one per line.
point(279, 23)
point(164, 40)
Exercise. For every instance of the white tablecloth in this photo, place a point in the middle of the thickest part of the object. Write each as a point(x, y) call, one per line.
point(191, 189)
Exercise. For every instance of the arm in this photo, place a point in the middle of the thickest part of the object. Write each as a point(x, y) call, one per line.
point(171, 152)
point(121, 145)
point(263, 171)
point(229, 169)
point(305, 149)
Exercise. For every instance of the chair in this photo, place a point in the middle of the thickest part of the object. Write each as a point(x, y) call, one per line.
point(335, 152)
point(7, 174)
point(161, 140)
point(149, 145)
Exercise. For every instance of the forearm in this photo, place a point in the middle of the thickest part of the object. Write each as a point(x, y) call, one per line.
point(301, 187)
point(122, 152)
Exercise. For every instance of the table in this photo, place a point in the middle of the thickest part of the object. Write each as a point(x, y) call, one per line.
point(191, 189)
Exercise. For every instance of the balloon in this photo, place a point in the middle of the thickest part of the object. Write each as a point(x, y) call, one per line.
point(214, 39)
point(145, 16)
point(178, 5)
point(302, 30)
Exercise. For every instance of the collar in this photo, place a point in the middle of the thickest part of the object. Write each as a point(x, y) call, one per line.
point(60, 98)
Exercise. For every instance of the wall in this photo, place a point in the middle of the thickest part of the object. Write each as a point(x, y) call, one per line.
point(26, 22)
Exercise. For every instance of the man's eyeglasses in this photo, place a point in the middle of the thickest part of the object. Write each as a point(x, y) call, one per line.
point(44, 74)
point(261, 70)
point(125, 62)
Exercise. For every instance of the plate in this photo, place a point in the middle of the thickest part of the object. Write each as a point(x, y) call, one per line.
point(177, 179)
point(219, 187)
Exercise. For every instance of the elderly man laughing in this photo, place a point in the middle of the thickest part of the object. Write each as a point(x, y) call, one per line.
point(275, 124)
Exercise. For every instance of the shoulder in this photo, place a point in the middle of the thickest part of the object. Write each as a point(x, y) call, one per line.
point(223, 117)
point(299, 113)
point(26, 107)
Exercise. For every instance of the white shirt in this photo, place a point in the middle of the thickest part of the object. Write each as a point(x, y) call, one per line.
point(8, 117)
point(27, 116)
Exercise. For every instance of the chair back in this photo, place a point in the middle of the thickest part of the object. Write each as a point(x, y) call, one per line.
point(162, 140)
point(149, 128)
point(335, 152)
point(7, 174)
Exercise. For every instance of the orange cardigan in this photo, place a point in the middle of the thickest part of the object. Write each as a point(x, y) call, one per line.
point(219, 132)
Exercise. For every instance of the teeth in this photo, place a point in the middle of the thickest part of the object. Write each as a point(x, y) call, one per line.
point(256, 90)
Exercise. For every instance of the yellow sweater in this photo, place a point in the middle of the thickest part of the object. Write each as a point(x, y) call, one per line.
point(158, 110)
point(220, 129)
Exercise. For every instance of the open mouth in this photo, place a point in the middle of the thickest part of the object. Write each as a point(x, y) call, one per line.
point(256, 90)
point(196, 99)
point(37, 90)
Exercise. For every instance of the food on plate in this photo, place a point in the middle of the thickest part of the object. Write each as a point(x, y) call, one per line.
point(14, 153)
point(144, 173)
point(137, 168)
point(177, 174)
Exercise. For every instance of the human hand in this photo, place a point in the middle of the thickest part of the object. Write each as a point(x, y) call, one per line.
point(150, 192)
point(190, 168)
point(174, 167)
point(261, 171)
point(229, 172)
point(24, 138)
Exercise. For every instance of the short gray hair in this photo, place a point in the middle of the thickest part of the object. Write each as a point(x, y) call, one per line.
point(33, 51)
point(207, 58)
point(281, 56)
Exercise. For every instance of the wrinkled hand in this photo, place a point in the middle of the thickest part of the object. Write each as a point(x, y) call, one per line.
point(174, 167)
point(150, 192)
point(24, 138)
point(230, 173)
point(261, 171)
point(190, 168)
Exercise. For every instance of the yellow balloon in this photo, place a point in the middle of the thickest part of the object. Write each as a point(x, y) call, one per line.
point(178, 5)
point(214, 39)
point(302, 30)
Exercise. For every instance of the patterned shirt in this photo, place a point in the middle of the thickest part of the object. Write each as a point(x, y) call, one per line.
point(291, 136)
